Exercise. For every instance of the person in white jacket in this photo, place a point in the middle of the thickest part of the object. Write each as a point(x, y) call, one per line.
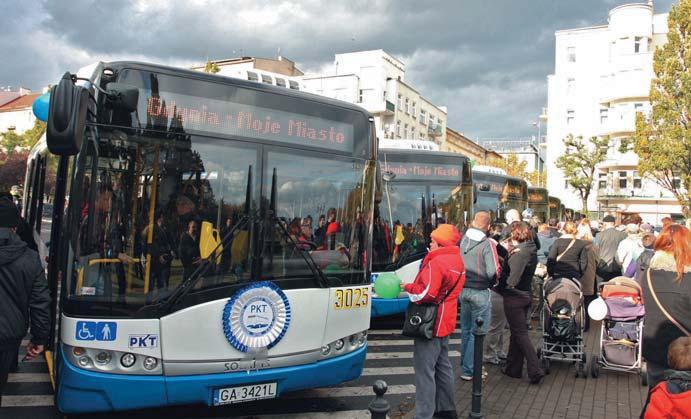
point(630, 248)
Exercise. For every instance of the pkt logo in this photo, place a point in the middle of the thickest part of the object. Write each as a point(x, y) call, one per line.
point(143, 341)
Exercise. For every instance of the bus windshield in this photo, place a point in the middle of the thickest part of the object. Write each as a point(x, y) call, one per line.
point(413, 201)
point(538, 201)
point(150, 207)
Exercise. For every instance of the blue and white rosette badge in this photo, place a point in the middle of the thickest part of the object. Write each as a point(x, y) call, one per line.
point(257, 317)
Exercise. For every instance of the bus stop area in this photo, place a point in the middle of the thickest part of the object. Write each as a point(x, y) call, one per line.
point(560, 395)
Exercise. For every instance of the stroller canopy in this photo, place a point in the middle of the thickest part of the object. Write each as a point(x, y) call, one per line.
point(563, 292)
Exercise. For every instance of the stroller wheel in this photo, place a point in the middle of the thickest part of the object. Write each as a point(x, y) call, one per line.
point(581, 370)
point(595, 366)
point(644, 374)
point(544, 362)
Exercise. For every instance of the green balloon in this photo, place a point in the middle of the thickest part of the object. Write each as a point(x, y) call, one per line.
point(332, 268)
point(387, 285)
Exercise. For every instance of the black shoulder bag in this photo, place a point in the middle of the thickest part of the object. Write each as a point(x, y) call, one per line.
point(420, 318)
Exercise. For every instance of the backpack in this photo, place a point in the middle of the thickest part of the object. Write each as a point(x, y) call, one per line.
point(671, 398)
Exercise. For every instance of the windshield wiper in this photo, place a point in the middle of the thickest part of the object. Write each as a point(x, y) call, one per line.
point(165, 303)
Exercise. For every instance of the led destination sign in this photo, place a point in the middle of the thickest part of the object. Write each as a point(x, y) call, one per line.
point(537, 196)
point(192, 113)
point(418, 171)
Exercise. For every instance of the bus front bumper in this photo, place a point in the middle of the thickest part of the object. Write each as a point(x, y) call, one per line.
point(388, 306)
point(81, 391)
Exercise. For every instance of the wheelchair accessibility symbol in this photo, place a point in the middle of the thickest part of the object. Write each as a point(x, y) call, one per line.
point(103, 331)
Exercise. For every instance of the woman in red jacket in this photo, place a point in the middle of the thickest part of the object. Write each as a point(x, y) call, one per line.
point(439, 281)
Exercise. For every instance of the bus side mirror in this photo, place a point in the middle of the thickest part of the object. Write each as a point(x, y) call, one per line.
point(66, 117)
point(123, 96)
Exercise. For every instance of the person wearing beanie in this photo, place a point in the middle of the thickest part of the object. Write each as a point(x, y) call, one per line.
point(24, 295)
point(439, 281)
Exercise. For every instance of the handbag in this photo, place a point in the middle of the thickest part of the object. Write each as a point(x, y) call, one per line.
point(669, 316)
point(420, 318)
point(566, 250)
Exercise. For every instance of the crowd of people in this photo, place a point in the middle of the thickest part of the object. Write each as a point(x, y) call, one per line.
point(499, 264)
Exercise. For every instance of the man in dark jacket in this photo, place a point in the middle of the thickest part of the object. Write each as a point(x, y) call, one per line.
point(482, 273)
point(24, 295)
point(607, 242)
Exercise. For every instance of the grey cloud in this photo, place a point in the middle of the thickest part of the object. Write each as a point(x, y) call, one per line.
point(487, 61)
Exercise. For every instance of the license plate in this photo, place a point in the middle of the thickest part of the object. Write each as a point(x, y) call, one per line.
point(230, 395)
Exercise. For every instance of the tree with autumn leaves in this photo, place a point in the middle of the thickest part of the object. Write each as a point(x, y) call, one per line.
point(579, 163)
point(14, 151)
point(663, 139)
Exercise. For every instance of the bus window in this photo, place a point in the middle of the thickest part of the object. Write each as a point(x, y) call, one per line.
point(320, 203)
point(150, 207)
point(280, 82)
point(252, 76)
point(267, 79)
point(293, 85)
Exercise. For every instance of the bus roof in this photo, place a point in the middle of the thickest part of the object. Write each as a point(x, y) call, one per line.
point(214, 78)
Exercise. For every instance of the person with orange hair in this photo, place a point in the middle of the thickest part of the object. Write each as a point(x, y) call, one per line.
point(667, 296)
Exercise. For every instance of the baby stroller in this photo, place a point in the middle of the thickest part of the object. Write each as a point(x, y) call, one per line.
point(621, 333)
point(562, 324)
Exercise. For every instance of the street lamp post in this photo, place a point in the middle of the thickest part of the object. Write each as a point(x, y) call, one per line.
point(540, 163)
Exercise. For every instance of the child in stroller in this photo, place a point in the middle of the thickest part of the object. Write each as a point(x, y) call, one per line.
point(562, 323)
point(622, 328)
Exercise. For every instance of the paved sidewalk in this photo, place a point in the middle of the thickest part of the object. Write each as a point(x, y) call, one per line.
point(560, 395)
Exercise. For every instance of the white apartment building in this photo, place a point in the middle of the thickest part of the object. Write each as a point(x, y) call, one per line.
point(601, 79)
point(17, 114)
point(376, 81)
point(280, 72)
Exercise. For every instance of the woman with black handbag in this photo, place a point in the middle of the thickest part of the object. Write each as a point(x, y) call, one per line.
point(515, 286)
point(431, 318)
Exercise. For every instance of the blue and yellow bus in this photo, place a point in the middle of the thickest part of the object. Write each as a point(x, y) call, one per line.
point(188, 260)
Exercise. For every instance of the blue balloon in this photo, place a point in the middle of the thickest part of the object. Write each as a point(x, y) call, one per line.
point(40, 107)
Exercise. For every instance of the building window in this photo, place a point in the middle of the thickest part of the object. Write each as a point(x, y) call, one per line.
point(676, 183)
point(400, 102)
point(360, 96)
point(398, 128)
point(638, 107)
point(571, 54)
point(431, 121)
point(423, 117)
point(407, 106)
point(422, 135)
point(570, 85)
point(566, 184)
point(414, 111)
point(405, 131)
point(252, 76)
point(640, 45)
point(602, 181)
point(570, 116)
point(267, 79)
point(412, 133)
point(637, 182)
point(603, 115)
point(623, 181)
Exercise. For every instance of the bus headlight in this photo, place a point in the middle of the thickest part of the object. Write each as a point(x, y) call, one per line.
point(128, 360)
point(326, 349)
point(84, 361)
point(150, 363)
point(363, 338)
point(103, 357)
point(338, 345)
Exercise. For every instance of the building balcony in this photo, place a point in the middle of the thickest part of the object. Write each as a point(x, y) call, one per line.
point(623, 194)
point(383, 108)
point(434, 131)
point(619, 126)
point(624, 86)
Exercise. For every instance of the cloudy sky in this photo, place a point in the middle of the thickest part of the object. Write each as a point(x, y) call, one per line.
point(487, 60)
